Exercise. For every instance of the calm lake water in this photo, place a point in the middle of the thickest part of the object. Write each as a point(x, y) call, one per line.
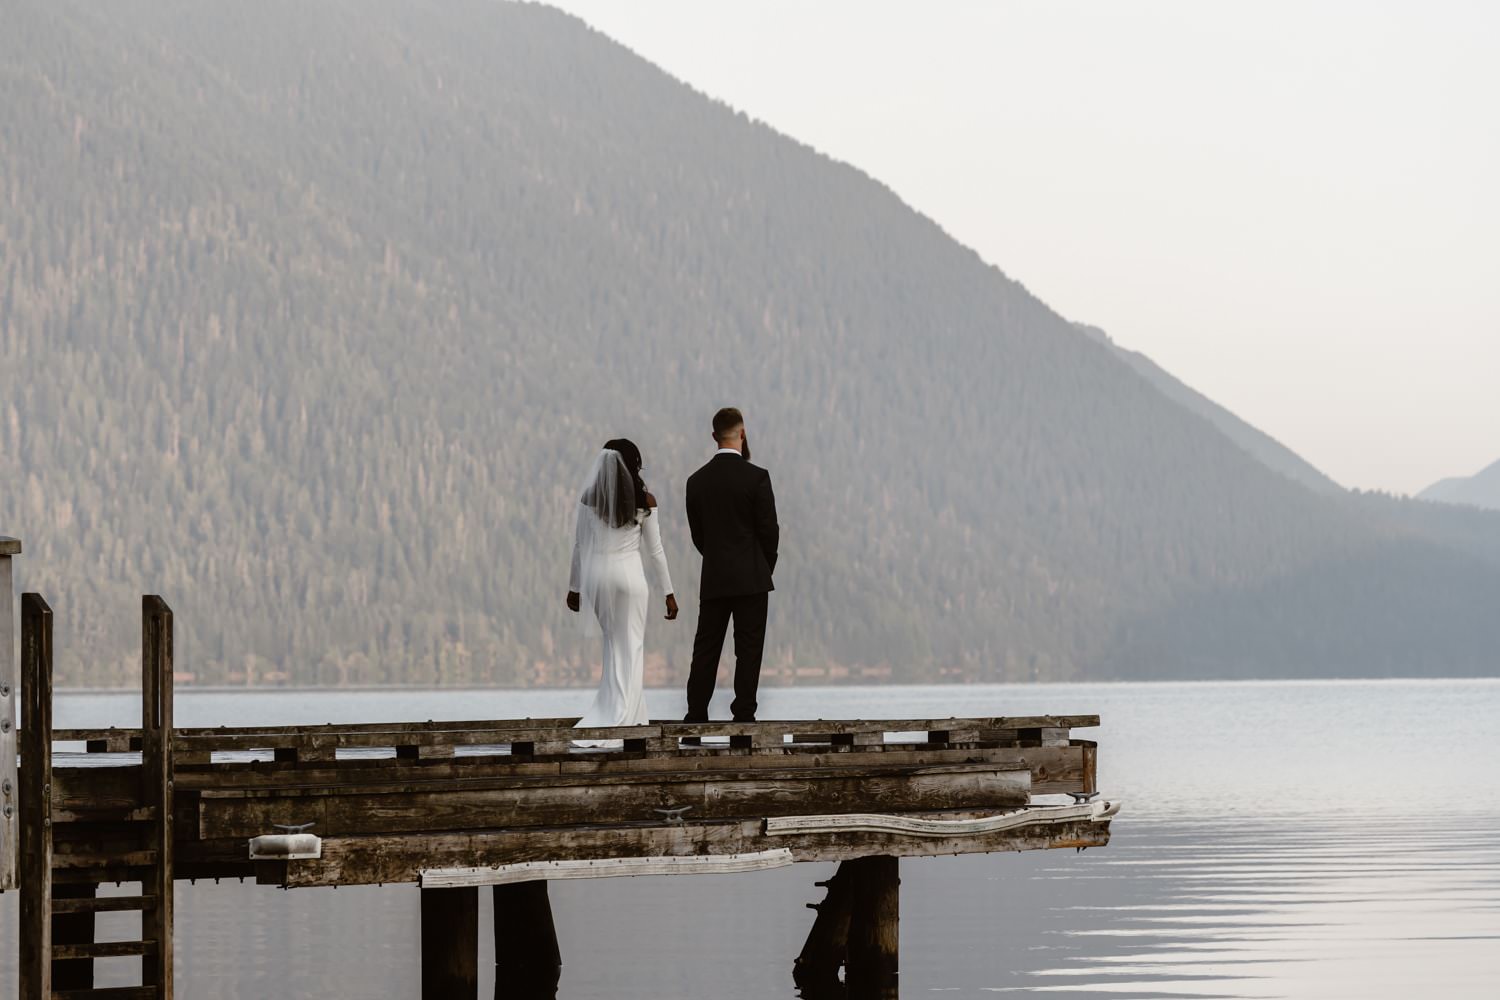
point(1279, 839)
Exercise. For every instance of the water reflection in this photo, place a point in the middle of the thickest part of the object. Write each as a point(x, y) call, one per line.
point(527, 984)
point(1366, 906)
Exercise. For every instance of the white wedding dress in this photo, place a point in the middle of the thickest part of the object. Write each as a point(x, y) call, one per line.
point(609, 575)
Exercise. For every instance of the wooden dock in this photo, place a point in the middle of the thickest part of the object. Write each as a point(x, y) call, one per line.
point(456, 806)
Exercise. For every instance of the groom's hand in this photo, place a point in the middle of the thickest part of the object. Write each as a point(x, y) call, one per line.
point(573, 600)
point(671, 607)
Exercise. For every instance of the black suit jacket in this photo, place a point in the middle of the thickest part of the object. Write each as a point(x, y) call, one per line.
point(732, 514)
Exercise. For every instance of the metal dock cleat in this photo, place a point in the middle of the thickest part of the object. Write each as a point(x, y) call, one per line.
point(673, 815)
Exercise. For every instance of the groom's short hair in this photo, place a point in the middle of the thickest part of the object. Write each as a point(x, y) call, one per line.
point(727, 420)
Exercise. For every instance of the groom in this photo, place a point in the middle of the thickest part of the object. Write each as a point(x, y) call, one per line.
point(732, 514)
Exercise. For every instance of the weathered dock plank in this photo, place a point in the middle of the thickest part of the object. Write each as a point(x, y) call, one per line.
point(562, 732)
point(1053, 769)
point(609, 799)
point(371, 859)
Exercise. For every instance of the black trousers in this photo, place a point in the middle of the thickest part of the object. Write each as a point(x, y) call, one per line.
point(749, 614)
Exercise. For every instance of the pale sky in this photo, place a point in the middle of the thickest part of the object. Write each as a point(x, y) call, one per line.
point(1293, 207)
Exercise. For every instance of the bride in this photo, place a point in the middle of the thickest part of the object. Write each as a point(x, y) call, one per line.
point(618, 529)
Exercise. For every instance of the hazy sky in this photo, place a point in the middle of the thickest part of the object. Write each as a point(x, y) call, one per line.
point(1294, 207)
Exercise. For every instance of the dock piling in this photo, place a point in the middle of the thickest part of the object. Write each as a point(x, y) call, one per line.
point(450, 943)
point(526, 948)
point(36, 800)
point(156, 789)
point(874, 928)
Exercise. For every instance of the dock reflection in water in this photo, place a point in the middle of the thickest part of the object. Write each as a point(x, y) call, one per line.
point(1279, 840)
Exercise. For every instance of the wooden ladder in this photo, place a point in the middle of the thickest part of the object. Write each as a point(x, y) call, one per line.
point(68, 850)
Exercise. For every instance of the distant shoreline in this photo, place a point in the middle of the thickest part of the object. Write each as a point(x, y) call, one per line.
point(396, 688)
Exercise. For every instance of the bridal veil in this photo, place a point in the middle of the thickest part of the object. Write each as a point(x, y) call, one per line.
point(607, 505)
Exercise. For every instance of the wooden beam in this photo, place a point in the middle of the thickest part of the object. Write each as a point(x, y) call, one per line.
point(1053, 769)
point(831, 726)
point(156, 788)
point(390, 727)
point(613, 867)
point(371, 859)
point(9, 683)
point(94, 791)
point(549, 733)
point(560, 733)
point(36, 800)
point(339, 811)
point(1059, 765)
point(377, 783)
point(317, 738)
point(563, 726)
point(450, 944)
point(874, 928)
point(404, 771)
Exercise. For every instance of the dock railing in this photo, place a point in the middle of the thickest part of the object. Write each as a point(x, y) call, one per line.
point(9, 683)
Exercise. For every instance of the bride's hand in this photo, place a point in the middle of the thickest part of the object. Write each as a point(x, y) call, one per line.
point(573, 600)
point(671, 607)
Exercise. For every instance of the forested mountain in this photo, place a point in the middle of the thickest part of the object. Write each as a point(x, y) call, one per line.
point(1479, 490)
point(312, 314)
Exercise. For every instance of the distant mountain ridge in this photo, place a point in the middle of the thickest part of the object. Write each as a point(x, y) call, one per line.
point(312, 314)
point(1479, 490)
point(1260, 445)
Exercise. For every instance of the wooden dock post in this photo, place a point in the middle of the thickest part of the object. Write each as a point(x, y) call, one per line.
point(36, 800)
point(874, 928)
point(527, 955)
point(9, 684)
point(156, 790)
point(450, 943)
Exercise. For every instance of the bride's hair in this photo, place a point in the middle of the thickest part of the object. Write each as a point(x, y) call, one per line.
point(630, 482)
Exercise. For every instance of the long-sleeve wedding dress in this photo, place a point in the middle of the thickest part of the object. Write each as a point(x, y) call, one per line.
point(608, 572)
